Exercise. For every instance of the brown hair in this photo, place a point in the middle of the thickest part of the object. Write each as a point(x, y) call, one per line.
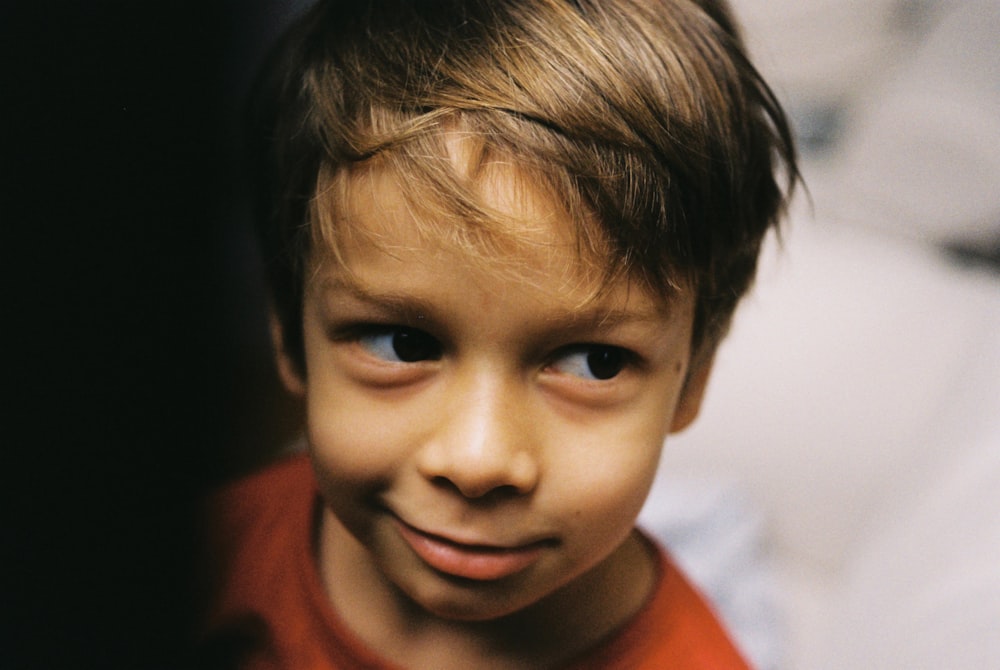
point(644, 118)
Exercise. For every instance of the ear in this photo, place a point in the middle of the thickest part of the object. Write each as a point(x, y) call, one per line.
point(287, 370)
point(693, 392)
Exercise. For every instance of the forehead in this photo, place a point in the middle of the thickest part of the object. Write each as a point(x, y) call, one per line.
point(529, 274)
point(461, 205)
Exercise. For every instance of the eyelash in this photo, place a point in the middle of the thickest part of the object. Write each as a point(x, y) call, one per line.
point(603, 362)
point(429, 348)
point(409, 345)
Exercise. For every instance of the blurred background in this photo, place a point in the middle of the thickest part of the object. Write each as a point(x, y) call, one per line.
point(839, 498)
point(136, 371)
point(847, 461)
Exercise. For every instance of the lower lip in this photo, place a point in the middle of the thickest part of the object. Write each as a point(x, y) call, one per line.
point(469, 561)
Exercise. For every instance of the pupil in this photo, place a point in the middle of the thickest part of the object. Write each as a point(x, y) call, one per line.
point(605, 363)
point(412, 346)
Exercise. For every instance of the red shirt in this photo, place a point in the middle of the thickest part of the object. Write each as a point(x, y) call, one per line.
point(271, 609)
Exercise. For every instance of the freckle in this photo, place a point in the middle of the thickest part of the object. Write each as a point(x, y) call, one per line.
point(678, 366)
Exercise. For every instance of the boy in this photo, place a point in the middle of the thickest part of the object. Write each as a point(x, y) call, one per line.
point(504, 238)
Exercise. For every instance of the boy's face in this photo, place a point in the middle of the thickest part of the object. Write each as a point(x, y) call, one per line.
point(483, 440)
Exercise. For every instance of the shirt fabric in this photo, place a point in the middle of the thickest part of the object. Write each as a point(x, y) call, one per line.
point(271, 609)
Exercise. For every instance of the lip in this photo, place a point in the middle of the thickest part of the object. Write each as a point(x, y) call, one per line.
point(470, 561)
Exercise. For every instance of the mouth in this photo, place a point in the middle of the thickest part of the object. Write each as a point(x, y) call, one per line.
point(470, 561)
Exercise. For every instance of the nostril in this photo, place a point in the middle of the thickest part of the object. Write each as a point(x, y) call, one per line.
point(481, 494)
point(445, 483)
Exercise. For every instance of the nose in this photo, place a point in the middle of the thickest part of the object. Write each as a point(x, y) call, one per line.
point(482, 443)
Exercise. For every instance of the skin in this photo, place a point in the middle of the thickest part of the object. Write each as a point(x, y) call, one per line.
point(481, 494)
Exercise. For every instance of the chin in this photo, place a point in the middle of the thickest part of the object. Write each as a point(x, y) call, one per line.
point(471, 602)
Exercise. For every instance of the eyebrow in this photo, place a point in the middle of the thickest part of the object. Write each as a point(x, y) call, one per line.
point(411, 309)
point(401, 305)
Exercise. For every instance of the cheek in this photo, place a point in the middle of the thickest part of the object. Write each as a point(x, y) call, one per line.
point(606, 481)
point(354, 440)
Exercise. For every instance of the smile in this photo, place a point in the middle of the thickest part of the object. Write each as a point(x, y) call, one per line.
point(470, 561)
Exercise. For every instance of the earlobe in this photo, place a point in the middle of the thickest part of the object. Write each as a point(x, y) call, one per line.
point(287, 370)
point(692, 394)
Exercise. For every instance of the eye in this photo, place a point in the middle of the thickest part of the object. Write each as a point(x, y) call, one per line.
point(594, 362)
point(401, 345)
